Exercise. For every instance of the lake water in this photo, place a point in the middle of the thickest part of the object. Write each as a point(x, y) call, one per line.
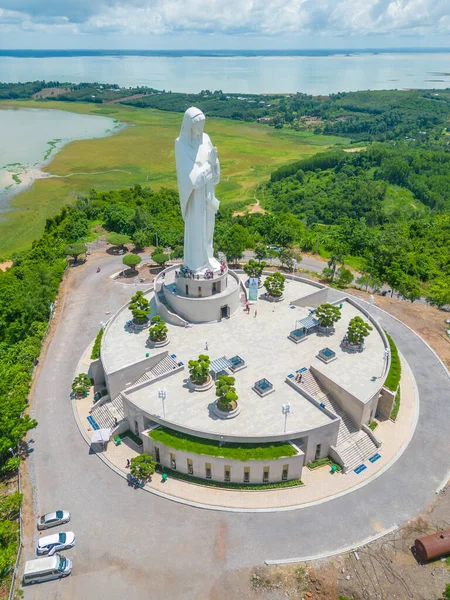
point(240, 72)
point(30, 138)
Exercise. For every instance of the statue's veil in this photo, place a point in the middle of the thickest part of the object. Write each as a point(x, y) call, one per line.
point(186, 125)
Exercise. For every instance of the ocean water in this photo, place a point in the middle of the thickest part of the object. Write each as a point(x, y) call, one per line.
point(313, 72)
point(31, 137)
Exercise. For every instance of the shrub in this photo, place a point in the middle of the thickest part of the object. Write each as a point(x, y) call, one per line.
point(139, 306)
point(323, 461)
point(226, 392)
point(396, 407)
point(142, 466)
point(199, 369)
point(344, 276)
point(358, 329)
point(81, 384)
point(96, 348)
point(75, 250)
point(158, 329)
point(327, 315)
point(118, 239)
point(160, 259)
point(131, 260)
point(274, 284)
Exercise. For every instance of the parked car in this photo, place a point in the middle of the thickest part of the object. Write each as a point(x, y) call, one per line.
point(45, 569)
point(56, 542)
point(276, 248)
point(53, 519)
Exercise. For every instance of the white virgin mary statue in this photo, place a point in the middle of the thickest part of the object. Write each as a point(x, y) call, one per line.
point(198, 171)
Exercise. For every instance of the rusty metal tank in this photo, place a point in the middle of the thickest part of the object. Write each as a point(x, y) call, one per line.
point(433, 546)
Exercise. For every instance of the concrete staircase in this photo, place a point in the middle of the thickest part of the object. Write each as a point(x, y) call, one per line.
point(354, 446)
point(166, 365)
point(106, 413)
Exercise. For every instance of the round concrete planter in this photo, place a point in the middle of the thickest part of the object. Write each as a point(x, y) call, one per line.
point(355, 347)
point(141, 326)
point(273, 299)
point(325, 330)
point(201, 388)
point(160, 344)
point(222, 414)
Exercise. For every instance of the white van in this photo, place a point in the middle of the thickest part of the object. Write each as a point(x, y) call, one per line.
point(45, 569)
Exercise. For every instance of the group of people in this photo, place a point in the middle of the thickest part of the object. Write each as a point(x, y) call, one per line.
point(298, 377)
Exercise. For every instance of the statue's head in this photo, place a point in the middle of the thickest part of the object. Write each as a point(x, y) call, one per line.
point(193, 125)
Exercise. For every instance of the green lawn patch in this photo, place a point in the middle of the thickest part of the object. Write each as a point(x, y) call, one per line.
point(323, 461)
point(395, 370)
point(96, 347)
point(229, 486)
point(396, 408)
point(133, 437)
point(373, 425)
point(187, 443)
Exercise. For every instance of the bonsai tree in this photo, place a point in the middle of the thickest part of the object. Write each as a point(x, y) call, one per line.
point(118, 239)
point(357, 330)
point(158, 329)
point(81, 384)
point(160, 259)
point(226, 393)
point(199, 369)
point(327, 315)
point(75, 250)
point(140, 307)
point(254, 268)
point(274, 284)
point(142, 466)
point(131, 260)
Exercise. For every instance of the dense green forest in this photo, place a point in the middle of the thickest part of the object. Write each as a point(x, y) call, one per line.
point(361, 116)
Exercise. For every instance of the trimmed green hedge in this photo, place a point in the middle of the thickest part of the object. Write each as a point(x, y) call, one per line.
point(323, 461)
point(396, 407)
point(395, 370)
point(187, 443)
point(96, 348)
point(230, 486)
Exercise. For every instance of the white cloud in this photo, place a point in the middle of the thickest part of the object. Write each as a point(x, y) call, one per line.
point(260, 17)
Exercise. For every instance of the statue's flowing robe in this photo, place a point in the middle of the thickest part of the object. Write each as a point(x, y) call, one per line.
point(198, 206)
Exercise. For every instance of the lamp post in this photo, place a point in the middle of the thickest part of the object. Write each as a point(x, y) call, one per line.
point(294, 264)
point(162, 393)
point(286, 409)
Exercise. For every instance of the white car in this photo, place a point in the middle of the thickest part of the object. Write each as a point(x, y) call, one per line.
point(53, 519)
point(56, 542)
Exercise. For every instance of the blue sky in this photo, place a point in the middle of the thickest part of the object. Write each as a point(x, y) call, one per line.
point(215, 24)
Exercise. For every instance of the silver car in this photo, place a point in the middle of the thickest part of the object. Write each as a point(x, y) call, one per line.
point(53, 519)
point(56, 542)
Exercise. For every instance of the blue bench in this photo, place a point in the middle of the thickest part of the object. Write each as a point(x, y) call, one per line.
point(93, 422)
point(359, 469)
point(375, 457)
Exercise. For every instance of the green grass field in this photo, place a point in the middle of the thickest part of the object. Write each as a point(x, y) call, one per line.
point(143, 153)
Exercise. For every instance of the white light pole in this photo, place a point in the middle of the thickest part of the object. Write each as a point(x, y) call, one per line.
point(294, 264)
point(286, 409)
point(162, 393)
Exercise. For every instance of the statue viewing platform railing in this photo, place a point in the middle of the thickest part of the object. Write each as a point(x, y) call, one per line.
point(207, 275)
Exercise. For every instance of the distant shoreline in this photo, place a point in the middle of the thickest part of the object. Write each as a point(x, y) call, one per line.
point(33, 53)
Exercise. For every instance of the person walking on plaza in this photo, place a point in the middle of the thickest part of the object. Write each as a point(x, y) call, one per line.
point(128, 463)
point(256, 312)
point(206, 346)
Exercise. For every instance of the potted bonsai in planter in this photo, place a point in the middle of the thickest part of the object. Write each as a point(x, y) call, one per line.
point(226, 394)
point(274, 285)
point(254, 270)
point(81, 385)
point(357, 331)
point(140, 307)
point(327, 315)
point(199, 376)
point(158, 332)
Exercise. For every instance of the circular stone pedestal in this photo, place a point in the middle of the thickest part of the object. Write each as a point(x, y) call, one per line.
point(160, 344)
point(200, 388)
point(226, 415)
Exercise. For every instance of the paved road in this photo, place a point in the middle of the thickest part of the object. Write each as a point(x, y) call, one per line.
point(131, 544)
